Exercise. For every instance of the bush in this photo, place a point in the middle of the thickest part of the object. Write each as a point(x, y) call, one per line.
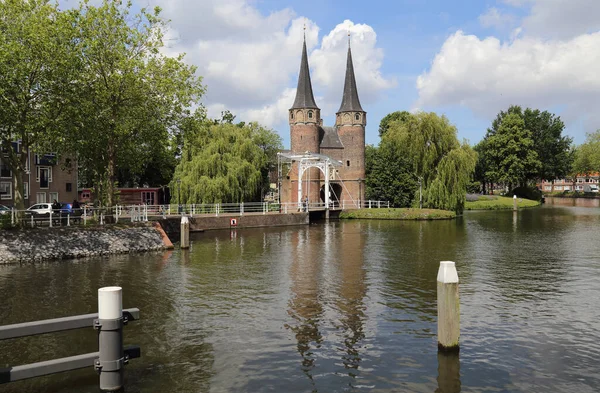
point(473, 197)
point(532, 193)
point(474, 187)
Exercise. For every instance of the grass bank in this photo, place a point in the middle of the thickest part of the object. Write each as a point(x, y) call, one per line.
point(398, 214)
point(499, 203)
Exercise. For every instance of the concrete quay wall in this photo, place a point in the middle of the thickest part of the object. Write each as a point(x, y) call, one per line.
point(39, 244)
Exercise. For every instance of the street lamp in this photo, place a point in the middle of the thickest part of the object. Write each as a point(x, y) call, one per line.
point(179, 195)
point(420, 180)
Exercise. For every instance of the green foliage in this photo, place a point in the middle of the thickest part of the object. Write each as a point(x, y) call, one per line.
point(398, 214)
point(388, 176)
point(540, 132)
point(510, 153)
point(130, 97)
point(587, 156)
point(384, 124)
point(36, 62)
point(527, 192)
point(500, 203)
point(429, 143)
point(224, 163)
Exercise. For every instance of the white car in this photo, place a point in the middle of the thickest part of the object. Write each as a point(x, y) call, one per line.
point(40, 209)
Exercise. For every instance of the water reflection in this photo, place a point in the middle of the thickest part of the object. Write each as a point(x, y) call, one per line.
point(304, 305)
point(351, 292)
point(448, 373)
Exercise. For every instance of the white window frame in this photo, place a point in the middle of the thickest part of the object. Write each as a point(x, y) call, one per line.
point(9, 194)
point(37, 175)
point(53, 196)
point(25, 190)
point(548, 188)
point(37, 197)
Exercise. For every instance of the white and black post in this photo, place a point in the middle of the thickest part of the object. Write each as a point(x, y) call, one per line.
point(111, 358)
point(448, 304)
point(185, 232)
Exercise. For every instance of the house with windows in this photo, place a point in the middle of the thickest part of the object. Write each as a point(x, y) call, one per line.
point(44, 179)
point(581, 183)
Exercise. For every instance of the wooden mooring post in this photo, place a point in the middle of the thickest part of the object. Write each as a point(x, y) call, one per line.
point(448, 307)
point(185, 232)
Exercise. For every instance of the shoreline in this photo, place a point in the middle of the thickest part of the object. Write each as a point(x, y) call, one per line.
point(401, 214)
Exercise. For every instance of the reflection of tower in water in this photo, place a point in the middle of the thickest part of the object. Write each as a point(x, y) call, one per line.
point(351, 292)
point(304, 306)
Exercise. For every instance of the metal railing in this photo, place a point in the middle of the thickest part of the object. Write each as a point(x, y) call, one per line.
point(111, 357)
point(142, 213)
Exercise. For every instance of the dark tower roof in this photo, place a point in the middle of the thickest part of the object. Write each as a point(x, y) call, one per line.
point(304, 92)
point(350, 101)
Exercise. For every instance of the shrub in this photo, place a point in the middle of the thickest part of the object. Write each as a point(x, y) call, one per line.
point(532, 193)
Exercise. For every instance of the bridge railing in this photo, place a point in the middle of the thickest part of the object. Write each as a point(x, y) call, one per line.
point(138, 213)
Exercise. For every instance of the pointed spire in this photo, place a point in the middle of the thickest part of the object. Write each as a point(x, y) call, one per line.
point(350, 101)
point(304, 92)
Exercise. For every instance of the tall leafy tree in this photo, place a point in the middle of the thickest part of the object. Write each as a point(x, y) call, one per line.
point(224, 162)
point(384, 124)
point(131, 96)
point(510, 152)
point(587, 155)
point(37, 65)
point(444, 165)
point(389, 176)
point(554, 150)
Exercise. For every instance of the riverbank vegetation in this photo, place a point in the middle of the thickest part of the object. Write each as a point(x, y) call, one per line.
point(223, 162)
point(521, 147)
point(419, 157)
point(398, 214)
point(93, 84)
point(492, 202)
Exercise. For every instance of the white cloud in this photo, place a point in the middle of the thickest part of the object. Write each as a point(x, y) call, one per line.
point(487, 75)
point(559, 19)
point(497, 19)
point(329, 65)
point(250, 61)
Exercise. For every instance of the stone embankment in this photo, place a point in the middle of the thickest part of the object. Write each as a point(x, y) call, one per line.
point(31, 245)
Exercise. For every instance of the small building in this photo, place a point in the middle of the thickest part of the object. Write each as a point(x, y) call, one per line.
point(581, 183)
point(44, 179)
point(133, 196)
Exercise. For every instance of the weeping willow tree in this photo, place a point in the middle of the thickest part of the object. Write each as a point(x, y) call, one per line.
point(224, 162)
point(442, 164)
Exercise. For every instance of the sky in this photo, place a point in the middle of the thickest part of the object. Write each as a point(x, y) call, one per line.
point(465, 59)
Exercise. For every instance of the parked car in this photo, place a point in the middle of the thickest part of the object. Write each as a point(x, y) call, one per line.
point(39, 210)
point(4, 209)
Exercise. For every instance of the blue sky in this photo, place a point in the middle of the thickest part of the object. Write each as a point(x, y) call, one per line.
point(465, 59)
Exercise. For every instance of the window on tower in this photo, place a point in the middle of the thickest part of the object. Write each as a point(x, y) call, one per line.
point(348, 163)
point(292, 115)
point(310, 114)
point(357, 116)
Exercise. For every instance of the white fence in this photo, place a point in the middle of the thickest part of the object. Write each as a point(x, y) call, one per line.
point(142, 213)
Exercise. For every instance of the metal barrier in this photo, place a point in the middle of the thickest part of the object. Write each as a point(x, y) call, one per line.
point(143, 213)
point(111, 357)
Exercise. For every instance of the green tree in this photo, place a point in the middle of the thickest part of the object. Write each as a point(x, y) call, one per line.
point(587, 155)
point(388, 119)
point(131, 97)
point(510, 152)
point(224, 162)
point(444, 165)
point(554, 150)
point(36, 69)
point(389, 176)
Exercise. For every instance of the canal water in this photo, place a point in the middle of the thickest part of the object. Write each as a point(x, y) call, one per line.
point(341, 307)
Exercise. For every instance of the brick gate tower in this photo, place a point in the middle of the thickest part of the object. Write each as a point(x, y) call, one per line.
point(350, 121)
point(305, 122)
point(345, 142)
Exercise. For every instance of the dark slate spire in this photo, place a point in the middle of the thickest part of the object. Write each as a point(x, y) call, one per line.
point(304, 93)
point(350, 101)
